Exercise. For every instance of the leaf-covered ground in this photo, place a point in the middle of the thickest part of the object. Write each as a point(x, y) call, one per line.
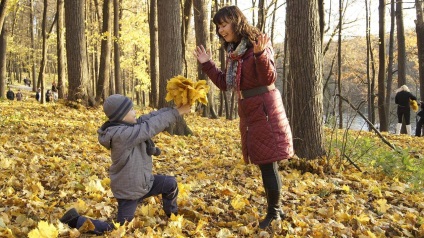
point(50, 160)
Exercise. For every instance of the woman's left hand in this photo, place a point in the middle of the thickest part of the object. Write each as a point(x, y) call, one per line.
point(260, 44)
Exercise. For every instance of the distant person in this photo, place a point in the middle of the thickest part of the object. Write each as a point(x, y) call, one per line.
point(27, 82)
point(420, 122)
point(402, 98)
point(49, 95)
point(38, 95)
point(54, 91)
point(54, 86)
point(19, 95)
point(131, 173)
point(10, 94)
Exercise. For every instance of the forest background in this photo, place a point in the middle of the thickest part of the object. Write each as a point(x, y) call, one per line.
point(92, 49)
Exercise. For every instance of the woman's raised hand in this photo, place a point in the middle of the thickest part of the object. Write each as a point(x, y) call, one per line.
point(201, 54)
point(260, 44)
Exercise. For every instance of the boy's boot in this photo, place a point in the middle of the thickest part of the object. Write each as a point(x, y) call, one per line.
point(70, 218)
point(408, 130)
point(398, 126)
point(274, 211)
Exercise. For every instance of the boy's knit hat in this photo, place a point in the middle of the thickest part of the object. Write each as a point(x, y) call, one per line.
point(116, 107)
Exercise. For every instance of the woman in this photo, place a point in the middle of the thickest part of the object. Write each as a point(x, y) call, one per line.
point(265, 131)
point(402, 98)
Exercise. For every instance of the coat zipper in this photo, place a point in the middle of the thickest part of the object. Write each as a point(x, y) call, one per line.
point(247, 136)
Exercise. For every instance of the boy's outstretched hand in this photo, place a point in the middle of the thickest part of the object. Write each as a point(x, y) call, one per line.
point(184, 109)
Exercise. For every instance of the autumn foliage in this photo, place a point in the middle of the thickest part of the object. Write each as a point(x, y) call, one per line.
point(184, 91)
point(50, 160)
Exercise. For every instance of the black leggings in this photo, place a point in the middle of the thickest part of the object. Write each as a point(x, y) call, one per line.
point(270, 176)
point(404, 112)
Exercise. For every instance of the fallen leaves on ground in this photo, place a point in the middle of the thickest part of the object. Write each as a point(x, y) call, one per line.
point(50, 161)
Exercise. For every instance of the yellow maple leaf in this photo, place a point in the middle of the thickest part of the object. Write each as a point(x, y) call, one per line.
point(44, 230)
point(382, 205)
point(200, 225)
point(87, 226)
point(363, 219)
point(346, 188)
point(238, 202)
point(184, 91)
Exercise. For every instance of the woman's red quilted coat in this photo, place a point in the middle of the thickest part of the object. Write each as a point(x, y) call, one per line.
point(265, 131)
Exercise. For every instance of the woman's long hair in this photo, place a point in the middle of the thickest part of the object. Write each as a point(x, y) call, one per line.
point(242, 28)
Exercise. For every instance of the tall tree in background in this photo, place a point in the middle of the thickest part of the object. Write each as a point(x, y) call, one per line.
point(339, 64)
point(370, 67)
point(382, 66)
point(188, 4)
point(3, 44)
point(61, 66)
point(420, 43)
point(401, 44)
point(3, 47)
point(304, 43)
point(33, 46)
point(201, 10)
point(106, 47)
point(154, 65)
point(262, 12)
point(390, 58)
point(170, 53)
point(401, 50)
point(76, 53)
point(274, 13)
point(44, 51)
point(3, 8)
point(117, 52)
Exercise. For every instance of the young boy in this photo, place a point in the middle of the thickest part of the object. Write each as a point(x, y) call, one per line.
point(129, 139)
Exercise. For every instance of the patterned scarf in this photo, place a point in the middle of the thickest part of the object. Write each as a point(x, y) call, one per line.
point(234, 63)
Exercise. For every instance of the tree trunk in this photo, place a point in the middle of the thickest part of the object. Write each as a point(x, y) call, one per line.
point(33, 54)
point(390, 59)
point(170, 53)
point(306, 77)
point(3, 48)
point(261, 15)
point(420, 44)
point(370, 69)
point(401, 44)
point(401, 50)
point(3, 8)
point(201, 26)
point(382, 67)
point(117, 52)
point(106, 47)
point(154, 66)
point(382, 110)
point(185, 30)
point(76, 53)
point(274, 13)
point(321, 11)
point(61, 70)
point(339, 65)
point(44, 51)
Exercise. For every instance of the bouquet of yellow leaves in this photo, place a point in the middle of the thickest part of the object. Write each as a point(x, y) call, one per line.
point(414, 105)
point(184, 91)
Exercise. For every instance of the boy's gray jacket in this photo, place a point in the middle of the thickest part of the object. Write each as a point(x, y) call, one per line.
point(131, 170)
